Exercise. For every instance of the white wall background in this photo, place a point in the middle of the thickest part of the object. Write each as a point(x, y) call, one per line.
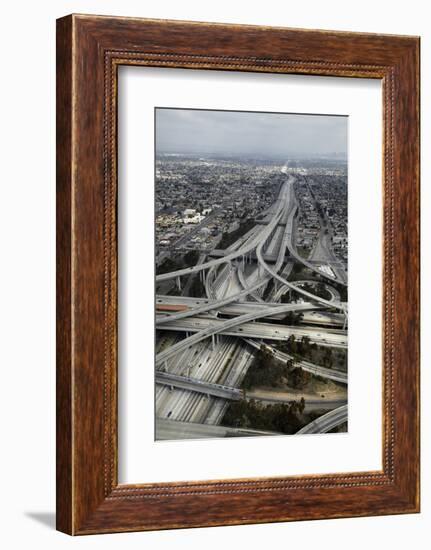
point(27, 308)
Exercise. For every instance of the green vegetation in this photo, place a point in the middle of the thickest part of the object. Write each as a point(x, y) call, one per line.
point(320, 355)
point(189, 259)
point(292, 318)
point(299, 348)
point(299, 378)
point(283, 417)
point(229, 238)
point(169, 264)
point(266, 370)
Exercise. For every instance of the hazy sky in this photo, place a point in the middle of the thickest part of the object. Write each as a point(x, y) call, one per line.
point(195, 131)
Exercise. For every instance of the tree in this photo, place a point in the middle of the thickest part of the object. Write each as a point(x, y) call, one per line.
point(290, 364)
point(289, 318)
point(291, 344)
point(299, 378)
point(301, 406)
point(168, 264)
point(328, 358)
point(305, 341)
point(292, 318)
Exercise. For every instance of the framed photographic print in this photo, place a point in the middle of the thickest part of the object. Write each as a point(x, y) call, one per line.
point(237, 274)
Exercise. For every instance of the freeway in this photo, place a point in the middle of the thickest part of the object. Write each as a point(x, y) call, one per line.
point(289, 230)
point(237, 308)
point(200, 386)
point(215, 326)
point(330, 374)
point(216, 253)
point(268, 331)
point(225, 364)
point(311, 403)
point(323, 250)
point(244, 284)
point(238, 280)
point(210, 305)
point(327, 422)
point(167, 429)
point(262, 280)
point(190, 279)
point(325, 318)
point(286, 243)
point(335, 295)
point(300, 259)
point(229, 358)
point(278, 206)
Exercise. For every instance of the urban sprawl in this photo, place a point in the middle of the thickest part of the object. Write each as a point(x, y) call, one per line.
point(251, 295)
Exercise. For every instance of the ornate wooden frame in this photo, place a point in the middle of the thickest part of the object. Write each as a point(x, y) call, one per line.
point(89, 51)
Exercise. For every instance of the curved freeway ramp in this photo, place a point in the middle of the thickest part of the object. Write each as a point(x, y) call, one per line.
point(325, 423)
point(220, 327)
point(310, 265)
point(286, 243)
point(174, 429)
point(238, 308)
point(335, 295)
point(199, 386)
point(217, 304)
point(330, 374)
point(279, 205)
point(331, 304)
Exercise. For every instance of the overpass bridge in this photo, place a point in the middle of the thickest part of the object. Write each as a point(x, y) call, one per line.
point(174, 429)
point(255, 329)
point(177, 303)
point(200, 386)
point(330, 374)
point(271, 258)
point(214, 326)
point(326, 423)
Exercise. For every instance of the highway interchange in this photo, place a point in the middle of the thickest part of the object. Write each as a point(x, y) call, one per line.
point(206, 345)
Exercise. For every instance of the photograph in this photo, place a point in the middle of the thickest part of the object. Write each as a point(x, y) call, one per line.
point(213, 318)
point(251, 273)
